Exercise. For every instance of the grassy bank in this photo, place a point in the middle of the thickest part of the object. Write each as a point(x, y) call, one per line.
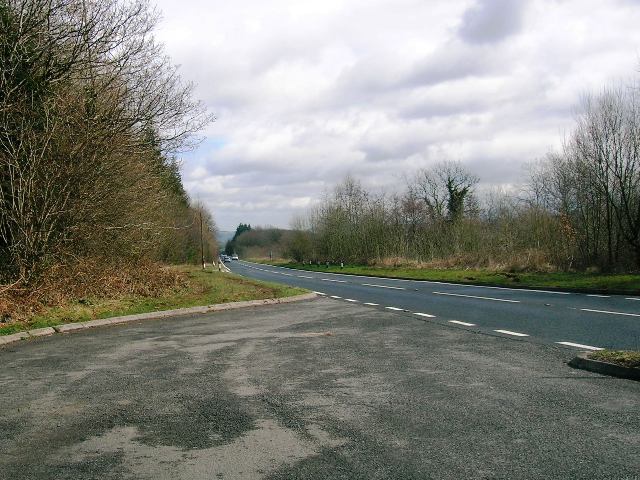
point(200, 288)
point(588, 282)
point(618, 357)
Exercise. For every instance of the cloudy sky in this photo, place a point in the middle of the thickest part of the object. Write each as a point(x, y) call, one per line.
point(306, 91)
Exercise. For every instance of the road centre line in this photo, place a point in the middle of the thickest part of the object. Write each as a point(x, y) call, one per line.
point(509, 332)
point(330, 280)
point(350, 300)
point(598, 296)
point(424, 315)
point(371, 304)
point(304, 276)
point(335, 296)
point(475, 296)
point(466, 324)
point(382, 286)
point(396, 309)
point(610, 313)
point(579, 345)
point(442, 283)
point(631, 298)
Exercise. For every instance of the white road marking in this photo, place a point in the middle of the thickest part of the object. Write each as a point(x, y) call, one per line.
point(350, 300)
point(330, 280)
point(382, 286)
point(395, 308)
point(319, 293)
point(371, 304)
point(610, 313)
point(335, 296)
point(304, 276)
point(631, 298)
point(466, 324)
point(579, 345)
point(509, 332)
point(442, 283)
point(424, 315)
point(598, 296)
point(475, 296)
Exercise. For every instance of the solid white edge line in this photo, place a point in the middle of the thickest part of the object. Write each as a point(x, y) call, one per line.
point(509, 332)
point(371, 304)
point(466, 324)
point(396, 309)
point(382, 286)
point(579, 345)
point(432, 281)
point(610, 313)
point(424, 315)
point(475, 296)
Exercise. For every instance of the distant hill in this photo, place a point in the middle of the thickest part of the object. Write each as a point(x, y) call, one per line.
point(223, 236)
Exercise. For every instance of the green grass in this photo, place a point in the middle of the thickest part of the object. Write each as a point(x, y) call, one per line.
point(205, 288)
point(618, 357)
point(588, 282)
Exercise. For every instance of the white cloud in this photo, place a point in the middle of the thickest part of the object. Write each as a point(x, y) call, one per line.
point(308, 91)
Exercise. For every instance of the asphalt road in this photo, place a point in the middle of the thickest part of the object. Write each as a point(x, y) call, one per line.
point(323, 389)
point(580, 321)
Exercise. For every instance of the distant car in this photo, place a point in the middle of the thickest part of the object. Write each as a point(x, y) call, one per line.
point(226, 258)
point(234, 257)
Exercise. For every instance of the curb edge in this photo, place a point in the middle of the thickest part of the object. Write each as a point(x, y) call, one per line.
point(604, 368)
point(219, 307)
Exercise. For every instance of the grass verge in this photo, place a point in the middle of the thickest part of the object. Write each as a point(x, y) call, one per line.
point(200, 288)
point(618, 357)
point(588, 282)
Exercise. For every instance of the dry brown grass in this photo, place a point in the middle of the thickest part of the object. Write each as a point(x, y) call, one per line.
point(83, 281)
point(526, 261)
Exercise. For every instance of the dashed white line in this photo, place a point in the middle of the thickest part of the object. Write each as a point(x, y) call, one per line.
point(475, 296)
point(598, 296)
point(304, 276)
point(466, 324)
point(509, 332)
point(579, 345)
point(319, 293)
point(610, 313)
point(331, 280)
point(335, 296)
point(382, 286)
point(395, 308)
point(631, 298)
point(350, 300)
point(371, 304)
point(424, 315)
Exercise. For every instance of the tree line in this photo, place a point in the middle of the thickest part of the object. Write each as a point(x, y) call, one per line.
point(92, 115)
point(578, 209)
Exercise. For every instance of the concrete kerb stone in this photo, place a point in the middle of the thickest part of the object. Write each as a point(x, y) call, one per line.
point(4, 339)
point(70, 327)
point(41, 332)
point(604, 368)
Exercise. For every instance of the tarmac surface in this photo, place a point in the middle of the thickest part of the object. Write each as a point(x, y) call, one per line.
point(576, 320)
point(320, 389)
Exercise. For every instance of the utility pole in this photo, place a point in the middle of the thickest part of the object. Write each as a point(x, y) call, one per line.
point(201, 240)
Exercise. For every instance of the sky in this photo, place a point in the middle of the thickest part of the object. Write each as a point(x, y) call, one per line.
point(307, 92)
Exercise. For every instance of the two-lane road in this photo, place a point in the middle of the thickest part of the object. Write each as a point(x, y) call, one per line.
point(575, 320)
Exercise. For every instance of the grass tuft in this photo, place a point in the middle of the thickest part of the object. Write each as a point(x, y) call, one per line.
point(619, 357)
